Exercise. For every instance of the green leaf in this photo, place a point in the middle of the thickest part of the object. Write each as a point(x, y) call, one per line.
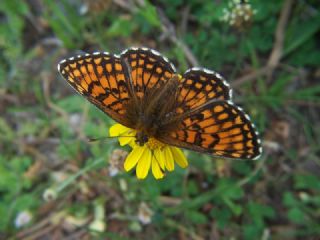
point(192, 188)
point(305, 55)
point(307, 182)
point(296, 215)
point(196, 217)
point(242, 167)
point(259, 212)
point(222, 216)
point(5, 217)
point(149, 13)
point(279, 86)
point(65, 22)
point(92, 129)
point(5, 130)
point(289, 199)
point(121, 27)
point(73, 103)
point(228, 189)
point(68, 149)
point(235, 208)
point(252, 232)
point(26, 201)
point(310, 92)
point(300, 32)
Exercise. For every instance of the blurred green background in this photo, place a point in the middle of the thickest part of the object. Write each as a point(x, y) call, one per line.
point(55, 184)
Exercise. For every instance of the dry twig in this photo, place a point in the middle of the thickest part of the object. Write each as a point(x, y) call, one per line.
point(167, 28)
point(277, 50)
point(46, 92)
point(276, 53)
point(251, 76)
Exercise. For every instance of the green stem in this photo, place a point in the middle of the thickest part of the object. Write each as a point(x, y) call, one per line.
point(72, 178)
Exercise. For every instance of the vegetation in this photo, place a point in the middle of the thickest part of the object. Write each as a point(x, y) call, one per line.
point(55, 184)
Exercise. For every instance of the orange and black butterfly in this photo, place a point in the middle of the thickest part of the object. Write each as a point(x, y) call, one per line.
point(141, 90)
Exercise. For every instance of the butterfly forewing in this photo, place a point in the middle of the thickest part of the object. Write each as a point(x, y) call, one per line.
point(199, 86)
point(101, 78)
point(219, 128)
point(148, 69)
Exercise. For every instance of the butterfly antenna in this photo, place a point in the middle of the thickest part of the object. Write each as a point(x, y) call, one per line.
point(97, 139)
point(104, 138)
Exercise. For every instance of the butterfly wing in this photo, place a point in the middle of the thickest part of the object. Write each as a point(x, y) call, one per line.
point(199, 86)
point(219, 128)
point(148, 69)
point(102, 79)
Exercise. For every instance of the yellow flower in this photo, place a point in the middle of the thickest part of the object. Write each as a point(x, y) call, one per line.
point(154, 154)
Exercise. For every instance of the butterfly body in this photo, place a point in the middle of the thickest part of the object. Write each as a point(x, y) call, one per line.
point(149, 114)
point(141, 90)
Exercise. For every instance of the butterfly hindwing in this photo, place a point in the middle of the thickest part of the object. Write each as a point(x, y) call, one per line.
point(101, 78)
point(219, 128)
point(198, 86)
point(148, 69)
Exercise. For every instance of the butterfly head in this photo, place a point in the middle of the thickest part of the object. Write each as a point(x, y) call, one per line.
point(141, 138)
point(151, 143)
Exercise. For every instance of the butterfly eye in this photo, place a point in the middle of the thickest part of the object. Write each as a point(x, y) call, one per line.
point(141, 138)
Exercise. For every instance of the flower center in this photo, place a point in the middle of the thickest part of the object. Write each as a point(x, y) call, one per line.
point(154, 144)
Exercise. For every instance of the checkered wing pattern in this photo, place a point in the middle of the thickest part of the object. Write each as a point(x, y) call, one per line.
point(148, 69)
point(101, 78)
point(199, 86)
point(219, 128)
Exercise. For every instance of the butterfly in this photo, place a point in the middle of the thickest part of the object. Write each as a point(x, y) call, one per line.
point(141, 90)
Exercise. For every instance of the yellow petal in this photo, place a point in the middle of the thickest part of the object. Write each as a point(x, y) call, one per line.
point(126, 135)
point(133, 158)
point(156, 171)
point(117, 130)
point(158, 154)
point(168, 158)
point(179, 157)
point(133, 143)
point(144, 163)
point(125, 140)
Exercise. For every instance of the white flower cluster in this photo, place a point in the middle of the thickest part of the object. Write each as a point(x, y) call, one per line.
point(238, 13)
